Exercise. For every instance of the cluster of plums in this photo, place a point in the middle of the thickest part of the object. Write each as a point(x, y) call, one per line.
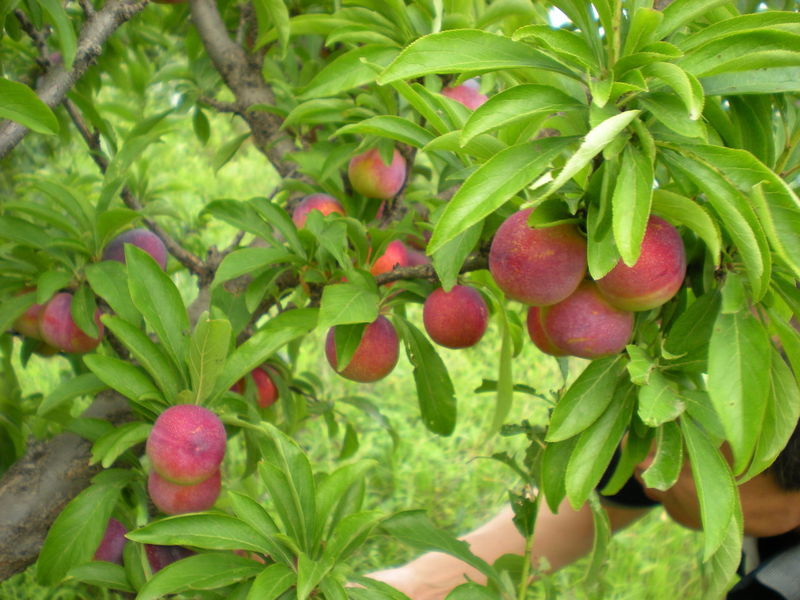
point(569, 314)
point(52, 324)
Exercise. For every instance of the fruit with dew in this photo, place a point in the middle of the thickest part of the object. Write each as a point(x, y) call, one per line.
point(324, 203)
point(538, 335)
point(113, 542)
point(142, 238)
point(468, 94)
point(373, 178)
point(396, 254)
point(266, 391)
point(585, 324)
point(375, 356)
point(455, 319)
point(175, 498)
point(655, 277)
point(161, 556)
point(60, 331)
point(186, 444)
point(537, 266)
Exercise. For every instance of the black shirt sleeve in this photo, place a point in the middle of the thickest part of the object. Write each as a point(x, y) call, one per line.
point(631, 495)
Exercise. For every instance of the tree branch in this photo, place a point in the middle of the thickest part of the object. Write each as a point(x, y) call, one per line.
point(55, 84)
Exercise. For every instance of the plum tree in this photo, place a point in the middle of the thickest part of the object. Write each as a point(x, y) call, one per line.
point(537, 266)
point(655, 277)
point(113, 542)
point(467, 93)
point(455, 319)
point(324, 203)
point(58, 328)
point(175, 498)
point(142, 238)
point(373, 178)
point(186, 444)
point(375, 356)
point(585, 324)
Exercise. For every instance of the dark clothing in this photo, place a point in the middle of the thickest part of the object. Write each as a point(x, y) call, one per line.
point(777, 574)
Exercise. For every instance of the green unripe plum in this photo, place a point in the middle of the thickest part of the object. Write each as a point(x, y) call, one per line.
point(373, 178)
point(375, 356)
point(455, 319)
point(60, 331)
point(174, 498)
point(585, 324)
point(538, 267)
point(186, 444)
point(141, 238)
point(655, 277)
point(324, 203)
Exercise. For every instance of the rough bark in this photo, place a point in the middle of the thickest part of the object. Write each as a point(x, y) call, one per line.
point(38, 486)
point(57, 82)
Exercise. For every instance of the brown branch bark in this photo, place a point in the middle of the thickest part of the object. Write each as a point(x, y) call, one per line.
point(38, 486)
point(241, 72)
point(55, 84)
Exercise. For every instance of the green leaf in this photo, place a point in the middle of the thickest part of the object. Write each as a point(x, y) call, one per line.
point(659, 402)
point(465, 50)
point(435, 392)
point(672, 114)
point(86, 384)
point(642, 29)
point(111, 445)
point(149, 355)
point(13, 307)
point(256, 516)
point(390, 127)
point(109, 280)
point(668, 462)
point(274, 14)
point(516, 104)
point(723, 564)
point(492, 184)
point(738, 381)
point(65, 33)
point(128, 380)
point(680, 12)
point(208, 350)
point(159, 301)
point(272, 582)
point(348, 71)
point(227, 151)
point(686, 86)
point(596, 445)
point(102, 574)
point(275, 334)
point(761, 81)
point(780, 416)
point(688, 337)
point(680, 210)
point(716, 489)
point(76, 533)
point(350, 533)
point(743, 51)
point(631, 202)
point(209, 571)
point(505, 379)
point(347, 303)
point(248, 260)
point(83, 310)
point(555, 459)
point(111, 222)
point(318, 111)
point(570, 46)
point(23, 232)
point(20, 104)
point(210, 531)
point(413, 527)
point(241, 215)
point(309, 573)
point(593, 143)
point(586, 399)
point(450, 257)
point(336, 487)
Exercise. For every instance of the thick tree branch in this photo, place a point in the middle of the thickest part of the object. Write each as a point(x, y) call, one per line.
point(38, 486)
point(55, 84)
point(242, 74)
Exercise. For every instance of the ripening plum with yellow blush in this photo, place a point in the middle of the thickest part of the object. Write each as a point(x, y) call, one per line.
point(585, 324)
point(539, 266)
point(373, 178)
point(186, 444)
point(375, 356)
point(655, 277)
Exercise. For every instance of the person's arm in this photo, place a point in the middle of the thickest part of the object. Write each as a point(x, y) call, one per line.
point(560, 538)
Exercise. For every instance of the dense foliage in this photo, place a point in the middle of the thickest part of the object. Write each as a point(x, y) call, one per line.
point(605, 118)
